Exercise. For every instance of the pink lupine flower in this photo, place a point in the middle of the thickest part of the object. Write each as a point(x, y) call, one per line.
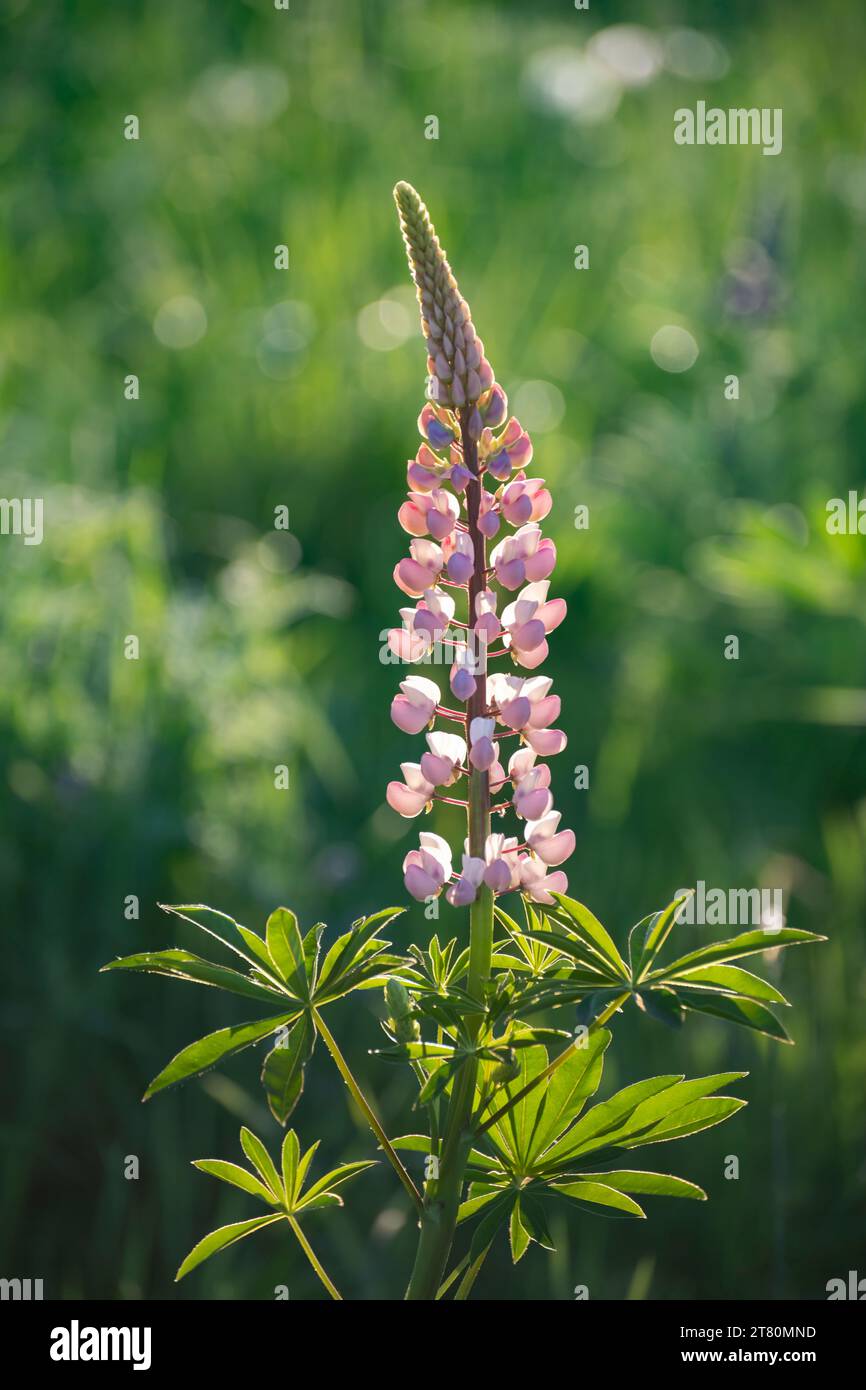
point(420, 569)
point(482, 749)
point(414, 709)
point(495, 408)
point(422, 625)
point(532, 796)
point(462, 680)
point(525, 499)
point(433, 513)
point(413, 796)
point(506, 693)
point(545, 707)
point(528, 620)
point(460, 558)
point(458, 477)
point(486, 625)
point(433, 428)
point(527, 555)
point(465, 890)
point(537, 884)
point(451, 517)
point(447, 752)
point(513, 450)
point(488, 515)
point(428, 869)
point(551, 846)
point(425, 471)
point(502, 863)
point(546, 742)
point(499, 870)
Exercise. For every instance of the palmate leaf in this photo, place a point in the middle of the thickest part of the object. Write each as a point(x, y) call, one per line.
point(284, 1189)
point(702, 981)
point(281, 969)
point(554, 1149)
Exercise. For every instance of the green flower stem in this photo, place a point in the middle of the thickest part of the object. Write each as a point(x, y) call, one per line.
point(442, 1198)
point(554, 1066)
point(360, 1099)
point(313, 1258)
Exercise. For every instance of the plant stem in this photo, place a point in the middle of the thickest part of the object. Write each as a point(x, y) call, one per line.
point(554, 1066)
point(343, 1068)
point(442, 1198)
point(313, 1258)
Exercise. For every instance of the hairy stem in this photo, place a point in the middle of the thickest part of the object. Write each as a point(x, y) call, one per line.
point(314, 1259)
point(442, 1198)
point(358, 1095)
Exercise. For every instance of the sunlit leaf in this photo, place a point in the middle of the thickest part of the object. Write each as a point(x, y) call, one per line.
point(283, 1068)
point(183, 965)
point(200, 1056)
point(221, 1239)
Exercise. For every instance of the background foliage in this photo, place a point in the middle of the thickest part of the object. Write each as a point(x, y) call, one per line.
point(259, 388)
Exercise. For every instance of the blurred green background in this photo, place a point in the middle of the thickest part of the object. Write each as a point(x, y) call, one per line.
point(261, 387)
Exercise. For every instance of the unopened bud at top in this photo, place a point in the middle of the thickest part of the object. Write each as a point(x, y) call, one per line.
point(455, 352)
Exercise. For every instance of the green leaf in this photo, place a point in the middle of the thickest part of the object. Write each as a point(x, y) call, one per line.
point(290, 1158)
point(206, 1052)
point(237, 1176)
point(667, 1102)
point(747, 1012)
point(518, 1234)
point(347, 949)
point(608, 1116)
point(568, 1089)
point(652, 1184)
point(441, 1076)
point(262, 1162)
point(476, 1203)
point(221, 1239)
point(747, 943)
point(286, 950)
point(196, 913)
point(660, 926)
point(304, 1166)
point(596, 969)
point(338, 1176)
point(283, 1069)
point(662, 1004)
point(533, 1218)
point(512, 1133)
point(257, 946)
point(732, 978)
point(689, 1119)
point(599, 1194)
point(586, 925)
point(495, 1216)
point(183, 965)
point(324, 1199)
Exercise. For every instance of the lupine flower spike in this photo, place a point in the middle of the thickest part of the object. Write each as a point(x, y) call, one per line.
point(467, 484)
